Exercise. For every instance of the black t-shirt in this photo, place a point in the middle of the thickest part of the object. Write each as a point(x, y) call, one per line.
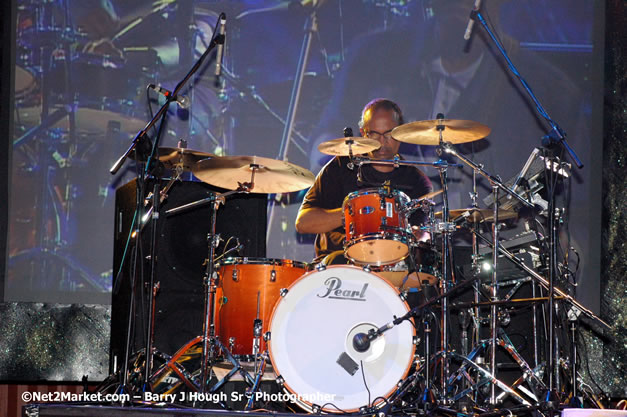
point(335, 181)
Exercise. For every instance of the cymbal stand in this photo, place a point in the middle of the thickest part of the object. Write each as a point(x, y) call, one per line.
point(210, 286)
point(496, 186)
point(444, 228)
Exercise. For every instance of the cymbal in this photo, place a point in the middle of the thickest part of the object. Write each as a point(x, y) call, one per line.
point(425, 132)
point(89, 122)
point(187, 158)
point(430, 195)
point(474, 214)
point(270, 175)
point(339, 147)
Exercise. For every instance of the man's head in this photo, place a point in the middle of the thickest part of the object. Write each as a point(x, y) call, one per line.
point(378, 119)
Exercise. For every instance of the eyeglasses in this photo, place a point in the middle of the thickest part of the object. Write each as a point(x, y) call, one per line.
point(373, 134)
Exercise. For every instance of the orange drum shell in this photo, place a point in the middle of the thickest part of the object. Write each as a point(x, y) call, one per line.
point(367, 223)
point(375, 235)
point(236, 299)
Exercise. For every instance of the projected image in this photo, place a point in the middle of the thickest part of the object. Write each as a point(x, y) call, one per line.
point(89, 75)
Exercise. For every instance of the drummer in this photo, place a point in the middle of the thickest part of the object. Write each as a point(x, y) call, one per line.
point(321, 212)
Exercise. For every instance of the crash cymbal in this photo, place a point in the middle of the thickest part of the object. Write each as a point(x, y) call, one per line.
point(184, 157)
point(474, 214)
point(425, 132)
point(270, 175)
point(339, 147)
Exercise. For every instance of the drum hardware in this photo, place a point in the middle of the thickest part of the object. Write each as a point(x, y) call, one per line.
point(239, 175)
point(531, 376)
point(557, 294)
point(259, 371)
point(556, 137)
point(496, 186)
point(142, 136)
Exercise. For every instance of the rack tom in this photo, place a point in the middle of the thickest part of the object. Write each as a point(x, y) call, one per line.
point(377, 230)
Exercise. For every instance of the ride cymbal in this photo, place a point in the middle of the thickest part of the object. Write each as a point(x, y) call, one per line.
point(427, 132)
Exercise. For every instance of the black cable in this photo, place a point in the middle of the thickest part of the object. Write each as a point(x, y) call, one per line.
point(336, 407)
point(363, 375)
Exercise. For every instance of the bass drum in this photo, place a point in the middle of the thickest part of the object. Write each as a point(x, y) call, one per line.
point(311, 340)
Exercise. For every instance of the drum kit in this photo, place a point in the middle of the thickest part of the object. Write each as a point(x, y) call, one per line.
point(344, 338)
point(339, 338)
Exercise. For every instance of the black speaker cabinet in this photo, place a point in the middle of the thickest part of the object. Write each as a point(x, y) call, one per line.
point(181, 248)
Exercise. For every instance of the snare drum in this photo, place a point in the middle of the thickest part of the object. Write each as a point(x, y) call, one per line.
point(377, 231)
point(312, 329)
point(249, 288)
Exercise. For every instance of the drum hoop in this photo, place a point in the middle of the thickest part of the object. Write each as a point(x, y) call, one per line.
point(404, 237)
point(286, 386)
point(245, 260)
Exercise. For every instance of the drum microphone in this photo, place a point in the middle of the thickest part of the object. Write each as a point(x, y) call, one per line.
point(471, 19)
point(348, 132)
point(361, 341)
point(220, 52)
point(182, 101)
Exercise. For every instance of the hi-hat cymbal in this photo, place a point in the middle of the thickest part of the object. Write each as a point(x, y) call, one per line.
point(426, 132)
point(474, 214)
point(339, 147)
point(184, 157)
point(270, 175)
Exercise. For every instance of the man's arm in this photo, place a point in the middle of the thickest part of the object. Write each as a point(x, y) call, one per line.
point(318, 220)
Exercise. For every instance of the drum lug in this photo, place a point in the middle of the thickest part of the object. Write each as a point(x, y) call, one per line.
point(321, 267)
point(234, 275)
point(284, 292)
point(267, 336)
point(366, 268)
point(231, 343)
point(316, 409)
point(273, 276)
point(280, 381)
point(403, 295)
point(415, 340)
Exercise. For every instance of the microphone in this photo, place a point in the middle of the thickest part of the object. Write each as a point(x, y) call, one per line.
point(471, 19)
point(220, 52)
point(348, 132)
point(182, 101)
point(361, 342)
